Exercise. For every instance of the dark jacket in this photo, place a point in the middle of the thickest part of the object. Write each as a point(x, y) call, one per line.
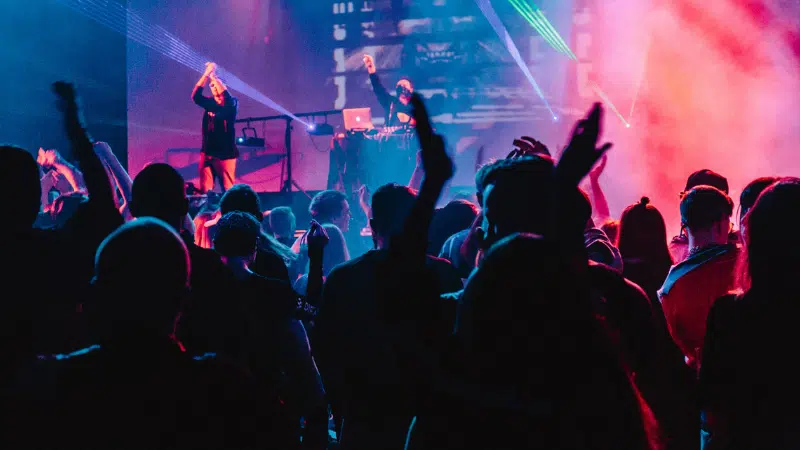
point(219, 133)
point(391, 105)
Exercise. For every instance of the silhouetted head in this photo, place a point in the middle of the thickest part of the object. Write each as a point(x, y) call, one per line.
point(706, 177)
point(391, 204)
point(241, 197)
point(751, 192)
point(159, 191)
point(331, 207)
point(706, 213)
point(480, 179)
point(142, 274)
point(456, 216)
point(611, 228)
point(65, 207)
point(643, 234)
point(282, 222)
point(517, 197)
point(771, 237)
point(19, 180)
point(237, 236)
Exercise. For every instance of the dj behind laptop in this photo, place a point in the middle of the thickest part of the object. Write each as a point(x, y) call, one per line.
point(357, 119)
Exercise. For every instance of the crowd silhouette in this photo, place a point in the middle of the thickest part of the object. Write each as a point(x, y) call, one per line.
point(527, 319)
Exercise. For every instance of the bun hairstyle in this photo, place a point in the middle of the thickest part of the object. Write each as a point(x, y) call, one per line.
point(644, 201)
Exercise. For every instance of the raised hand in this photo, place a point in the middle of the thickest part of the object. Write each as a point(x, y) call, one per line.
point(317, 238)
point(363, 197)
point(435, 161)
point(210, 68)
point(527, 146)
point(46, 158)
point(582, 152)
point(595, 173)
point(369, 62)
point(537, 147)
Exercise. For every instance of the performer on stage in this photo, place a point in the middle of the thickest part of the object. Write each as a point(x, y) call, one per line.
point(218, 153)
point(397, 109)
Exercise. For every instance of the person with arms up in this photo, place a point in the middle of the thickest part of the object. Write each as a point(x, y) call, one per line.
point(397, 109)
point(218, 152)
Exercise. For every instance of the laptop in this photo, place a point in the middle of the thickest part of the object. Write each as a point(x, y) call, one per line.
point(357, 119)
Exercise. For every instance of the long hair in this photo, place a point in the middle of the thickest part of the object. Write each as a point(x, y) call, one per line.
point(770, 258)
point(643, 236)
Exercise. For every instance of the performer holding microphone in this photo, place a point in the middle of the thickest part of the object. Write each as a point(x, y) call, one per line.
point(218, 152)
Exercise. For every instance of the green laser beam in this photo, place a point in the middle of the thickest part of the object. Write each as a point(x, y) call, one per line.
point(538, 21)
point(549, 25)
point(520, 7)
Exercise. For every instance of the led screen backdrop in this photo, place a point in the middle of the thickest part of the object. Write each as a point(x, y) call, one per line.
point(307, 56)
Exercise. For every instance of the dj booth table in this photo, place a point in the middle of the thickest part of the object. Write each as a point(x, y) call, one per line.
point(372, 158)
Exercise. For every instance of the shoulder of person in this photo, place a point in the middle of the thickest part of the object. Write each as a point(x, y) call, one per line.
point(357, 264)
point(607, 278)
point(445, 270)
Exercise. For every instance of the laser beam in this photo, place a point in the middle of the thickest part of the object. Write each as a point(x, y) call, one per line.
point(609, 103)
point(539, 22)
point(128, 23)
point(493, 19)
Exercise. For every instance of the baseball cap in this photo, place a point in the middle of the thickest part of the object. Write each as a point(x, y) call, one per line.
point(708, 178)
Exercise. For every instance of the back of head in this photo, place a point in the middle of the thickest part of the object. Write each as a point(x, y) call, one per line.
point(751, 192)
point(282, 221)
point(66, 205)
point(772, 244)
point(19, 177)
point(704, 206)
point(521, 193)
point(391, 204)
point(326, 205)
point(643, 234)
point(237, 235)
point(611, 228)
point(455, 216)
point(159, 191)
point(241, 197)
point(480, 178)
point(706, 177)
point(142, 271)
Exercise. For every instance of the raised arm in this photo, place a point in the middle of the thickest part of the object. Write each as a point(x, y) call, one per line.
point(577, 160)
point(230, 105)
point(416, 176)
point(317, 240)
point(119, 174)
point(53, 159)
point(599, 202)
point(437, 169)
point(94, 174)
point(384, 98)
point(199, 99)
